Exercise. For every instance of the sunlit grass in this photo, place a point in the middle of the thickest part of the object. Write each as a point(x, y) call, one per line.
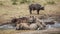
point(13, 31)
point(22, 31)
point(8, 10)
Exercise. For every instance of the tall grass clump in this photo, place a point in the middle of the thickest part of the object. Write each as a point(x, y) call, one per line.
point(14, 2)
point(51, 2)
point(1, 3)
point(24, 1)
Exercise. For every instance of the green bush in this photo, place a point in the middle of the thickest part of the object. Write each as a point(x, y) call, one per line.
point(14, 2)
point(50, 2)
point(24, 1)
point(1, 3)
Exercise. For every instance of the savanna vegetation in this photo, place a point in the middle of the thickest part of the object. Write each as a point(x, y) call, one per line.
point(15, 8)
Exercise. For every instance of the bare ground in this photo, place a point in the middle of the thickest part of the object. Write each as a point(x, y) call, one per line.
point(48, 31)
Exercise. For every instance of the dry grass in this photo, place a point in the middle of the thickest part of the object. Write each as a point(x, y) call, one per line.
point(49, 31)
point(7, 10)
point(13, 31)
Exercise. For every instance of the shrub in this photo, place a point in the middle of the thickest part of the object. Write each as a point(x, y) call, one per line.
point(50, 2)
point(14, 2)
point(1, 3)
point(24, 1)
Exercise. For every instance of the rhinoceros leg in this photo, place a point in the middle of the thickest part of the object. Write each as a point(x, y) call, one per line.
point(38, 11)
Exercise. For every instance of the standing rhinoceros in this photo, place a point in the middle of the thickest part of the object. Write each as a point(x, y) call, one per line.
point(37, 7)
